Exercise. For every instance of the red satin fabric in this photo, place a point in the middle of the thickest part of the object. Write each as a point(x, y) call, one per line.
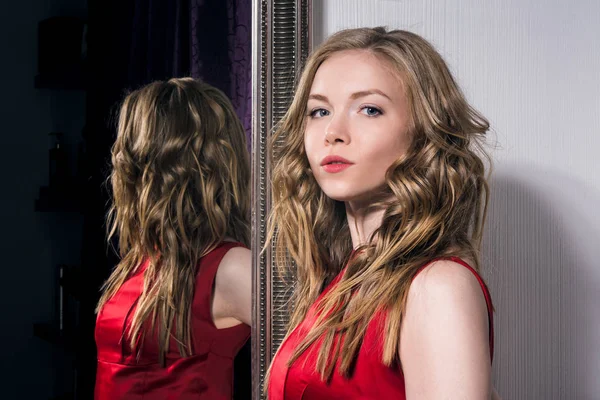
point(370, 380)
point(207, 374)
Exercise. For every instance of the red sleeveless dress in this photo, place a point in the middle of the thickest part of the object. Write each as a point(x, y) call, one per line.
point(370, 380)
point(207, 374)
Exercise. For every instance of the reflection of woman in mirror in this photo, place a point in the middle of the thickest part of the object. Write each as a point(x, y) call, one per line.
point(176, 309)
point(379, 196)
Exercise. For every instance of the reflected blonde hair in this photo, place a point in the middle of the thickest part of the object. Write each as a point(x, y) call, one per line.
point(438, 193)
point(180, 185)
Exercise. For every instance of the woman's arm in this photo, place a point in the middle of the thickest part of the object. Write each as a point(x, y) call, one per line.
point(444, 346)
point(232, 296)
point(495, 395)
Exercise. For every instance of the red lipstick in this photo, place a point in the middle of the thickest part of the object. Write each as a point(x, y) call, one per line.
point(335, 164)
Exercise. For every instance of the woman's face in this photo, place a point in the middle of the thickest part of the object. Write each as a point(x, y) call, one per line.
point(357, 125)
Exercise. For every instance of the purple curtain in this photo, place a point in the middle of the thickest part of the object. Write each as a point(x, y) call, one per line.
point(206, 39)
point(240, 58)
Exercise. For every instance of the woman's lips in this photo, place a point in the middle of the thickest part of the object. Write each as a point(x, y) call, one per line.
point(335, 164)
point(335, 168)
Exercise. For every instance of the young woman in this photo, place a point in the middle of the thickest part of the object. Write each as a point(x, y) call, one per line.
point(379, 197)
point(176, 309)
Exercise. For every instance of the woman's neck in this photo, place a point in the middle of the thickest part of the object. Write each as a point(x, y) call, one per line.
point(363, 221)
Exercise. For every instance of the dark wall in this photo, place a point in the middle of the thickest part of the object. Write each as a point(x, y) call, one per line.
point(32, 243)
point(37, 364)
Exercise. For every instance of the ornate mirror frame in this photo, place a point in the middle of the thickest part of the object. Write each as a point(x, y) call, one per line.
point(281, 31)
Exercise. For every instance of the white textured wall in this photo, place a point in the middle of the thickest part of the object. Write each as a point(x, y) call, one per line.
point(533, 68)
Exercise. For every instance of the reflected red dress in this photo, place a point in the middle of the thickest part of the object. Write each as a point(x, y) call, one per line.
point(207, 374)
point(370, 380)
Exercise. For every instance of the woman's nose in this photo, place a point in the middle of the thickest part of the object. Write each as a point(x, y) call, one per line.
point(337, 131)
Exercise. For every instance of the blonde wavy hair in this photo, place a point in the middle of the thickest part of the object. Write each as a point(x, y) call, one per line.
point(438, 195)
point(180, 186)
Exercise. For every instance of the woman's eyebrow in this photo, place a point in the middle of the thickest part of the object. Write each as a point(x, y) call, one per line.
point(317, 96)
point(369, 92)
point(353, 96)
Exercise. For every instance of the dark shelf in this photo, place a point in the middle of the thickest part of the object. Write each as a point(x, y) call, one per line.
point(66, 199)
point(66, 396)
point(75, 283)
point(46, 206)
point(76, 80)
point(49, 332)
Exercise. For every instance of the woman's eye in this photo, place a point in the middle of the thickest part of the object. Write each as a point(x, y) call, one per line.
point(318, 113)
point(371, 111)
